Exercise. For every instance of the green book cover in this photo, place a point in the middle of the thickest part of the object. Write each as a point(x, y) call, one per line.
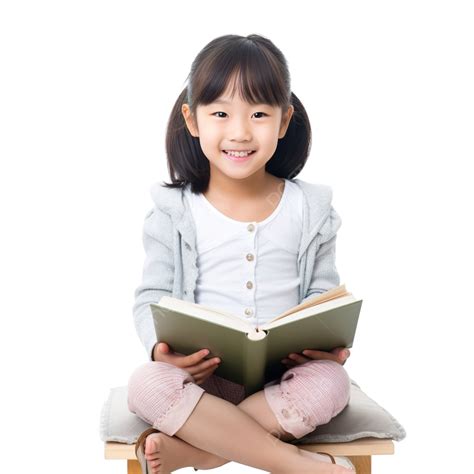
point(251, 356)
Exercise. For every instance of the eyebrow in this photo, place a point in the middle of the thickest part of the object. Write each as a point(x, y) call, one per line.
point(222, 101)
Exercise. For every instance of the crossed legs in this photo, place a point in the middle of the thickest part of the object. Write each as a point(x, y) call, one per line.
point(252, 433)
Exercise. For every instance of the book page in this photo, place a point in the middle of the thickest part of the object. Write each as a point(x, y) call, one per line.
point(311, 311)
point(331, 294)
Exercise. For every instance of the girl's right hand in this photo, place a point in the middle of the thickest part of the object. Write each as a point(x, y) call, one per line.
point(193, 363)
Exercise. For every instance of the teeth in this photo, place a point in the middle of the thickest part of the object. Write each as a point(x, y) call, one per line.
point(239, 153)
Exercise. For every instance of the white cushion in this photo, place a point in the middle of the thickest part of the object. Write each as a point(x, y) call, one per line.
point(361, 418)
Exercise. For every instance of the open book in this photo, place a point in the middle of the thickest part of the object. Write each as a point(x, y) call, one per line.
point(251, 355)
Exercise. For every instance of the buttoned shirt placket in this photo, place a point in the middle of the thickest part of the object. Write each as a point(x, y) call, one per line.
point(249, 309)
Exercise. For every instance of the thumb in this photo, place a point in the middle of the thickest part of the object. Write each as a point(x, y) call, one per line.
point(341, 353)
point(163, 347)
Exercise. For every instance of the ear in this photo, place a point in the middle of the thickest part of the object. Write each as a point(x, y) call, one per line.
point(189, 119)
point(285, 121)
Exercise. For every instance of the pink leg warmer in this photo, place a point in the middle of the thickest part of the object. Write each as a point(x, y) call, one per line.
point(163, 395)
point(309, 395)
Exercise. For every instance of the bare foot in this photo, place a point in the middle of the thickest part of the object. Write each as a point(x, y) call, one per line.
point(313, 463)
point(323, 458)
point(166, 454)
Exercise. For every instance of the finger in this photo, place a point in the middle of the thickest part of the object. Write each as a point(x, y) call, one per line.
point(341, 352)
point(193, 359)
point(300, 359)
point(207, 364)
point(320, 355)
point(288, 363)
point(206, 371)
point(164, 348)
point(200, 367)
point(202, 376)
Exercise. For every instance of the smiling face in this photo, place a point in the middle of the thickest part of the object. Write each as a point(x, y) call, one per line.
point(230, 123)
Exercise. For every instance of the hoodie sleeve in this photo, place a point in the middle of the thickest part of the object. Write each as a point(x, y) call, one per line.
point(158, 275)
point(325, 275)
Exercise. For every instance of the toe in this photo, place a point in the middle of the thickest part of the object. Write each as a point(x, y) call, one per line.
point(152, 457)
point(151, 444)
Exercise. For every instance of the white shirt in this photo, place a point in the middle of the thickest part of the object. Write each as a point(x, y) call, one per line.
point(248, 268)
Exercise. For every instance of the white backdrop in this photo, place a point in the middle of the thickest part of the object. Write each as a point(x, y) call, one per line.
point(85, 92)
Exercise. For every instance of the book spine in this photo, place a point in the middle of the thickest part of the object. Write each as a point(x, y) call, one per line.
point(255, 357)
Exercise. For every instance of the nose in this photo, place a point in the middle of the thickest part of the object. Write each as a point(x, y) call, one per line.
point(240, 130)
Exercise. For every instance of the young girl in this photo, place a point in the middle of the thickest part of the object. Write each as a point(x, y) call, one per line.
point(236, 231)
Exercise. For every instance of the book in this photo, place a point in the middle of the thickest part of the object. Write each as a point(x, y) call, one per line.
point(251, 355)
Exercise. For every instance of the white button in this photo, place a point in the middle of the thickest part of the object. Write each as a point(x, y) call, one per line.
point(248, 312)
point(250, 227)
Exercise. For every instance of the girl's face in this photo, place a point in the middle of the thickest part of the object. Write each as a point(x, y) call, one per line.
point(233, 124)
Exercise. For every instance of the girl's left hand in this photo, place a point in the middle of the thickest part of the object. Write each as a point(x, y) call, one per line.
point(339, 354)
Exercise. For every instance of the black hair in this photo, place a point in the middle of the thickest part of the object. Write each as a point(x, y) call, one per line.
point(262, 76)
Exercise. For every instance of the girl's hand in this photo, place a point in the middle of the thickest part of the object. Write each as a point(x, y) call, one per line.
point(339, 354)
point(192, 363)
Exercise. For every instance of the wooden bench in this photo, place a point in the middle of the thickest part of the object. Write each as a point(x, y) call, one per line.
point(359, 451)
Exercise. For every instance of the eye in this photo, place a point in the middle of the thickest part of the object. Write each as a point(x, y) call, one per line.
point(226, 114)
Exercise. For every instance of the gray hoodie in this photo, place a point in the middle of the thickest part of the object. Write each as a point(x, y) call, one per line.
point(169, 240)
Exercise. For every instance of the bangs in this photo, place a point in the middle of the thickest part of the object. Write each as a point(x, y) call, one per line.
point(254, 68)
point(244, 68)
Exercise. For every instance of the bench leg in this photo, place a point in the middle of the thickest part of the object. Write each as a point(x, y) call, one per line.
point(133, 467)
point(363, 464)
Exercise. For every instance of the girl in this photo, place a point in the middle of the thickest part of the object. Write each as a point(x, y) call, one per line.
point(234, 230)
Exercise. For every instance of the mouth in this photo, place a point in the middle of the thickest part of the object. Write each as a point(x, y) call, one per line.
point(238, 156)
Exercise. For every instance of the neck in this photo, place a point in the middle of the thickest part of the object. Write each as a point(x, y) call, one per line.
point(245, 189)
